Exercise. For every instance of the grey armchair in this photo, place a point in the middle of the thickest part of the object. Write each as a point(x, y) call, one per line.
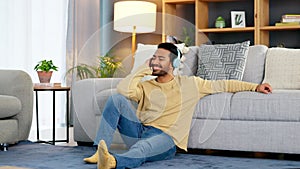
point(16, 106)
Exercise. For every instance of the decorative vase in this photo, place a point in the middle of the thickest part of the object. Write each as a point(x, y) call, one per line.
point(220, 22)
point(44, 76)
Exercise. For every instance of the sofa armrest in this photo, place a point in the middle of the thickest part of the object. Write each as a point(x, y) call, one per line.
point(84, 97)
point(19, 84)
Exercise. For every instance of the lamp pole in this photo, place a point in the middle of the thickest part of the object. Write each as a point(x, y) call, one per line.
point(133, 40)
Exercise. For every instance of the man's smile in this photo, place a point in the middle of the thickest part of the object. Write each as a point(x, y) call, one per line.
point(156, 67)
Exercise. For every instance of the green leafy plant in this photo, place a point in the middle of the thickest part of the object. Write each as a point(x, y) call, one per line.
point(45, 65)
point(107, 65)
point(186, 36)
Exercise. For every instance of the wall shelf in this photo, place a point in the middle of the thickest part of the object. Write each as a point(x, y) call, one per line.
point(223, 30)
point(259, 30)
point(279, 28)
point(179, 1)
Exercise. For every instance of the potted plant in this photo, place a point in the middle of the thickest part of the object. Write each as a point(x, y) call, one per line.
point(44, 69)
point(107, 65)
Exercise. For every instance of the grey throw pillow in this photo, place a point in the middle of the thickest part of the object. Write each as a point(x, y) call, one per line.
point(222, 61)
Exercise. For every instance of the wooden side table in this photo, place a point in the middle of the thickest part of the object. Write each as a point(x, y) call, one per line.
point(43, 87)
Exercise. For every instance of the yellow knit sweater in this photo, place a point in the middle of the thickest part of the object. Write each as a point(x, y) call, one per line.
point(170, 106)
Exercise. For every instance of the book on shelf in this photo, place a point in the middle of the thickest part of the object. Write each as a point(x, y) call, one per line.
point(47, 84)
point(287, 23)
point(290, 18)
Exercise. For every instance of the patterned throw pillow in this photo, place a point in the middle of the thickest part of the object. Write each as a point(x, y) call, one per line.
point(222, 61)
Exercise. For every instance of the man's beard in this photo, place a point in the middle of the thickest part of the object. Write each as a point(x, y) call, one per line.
point(160, 73)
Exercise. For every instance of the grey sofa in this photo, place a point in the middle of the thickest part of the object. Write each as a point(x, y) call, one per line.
point(16, 106)
point(242, 121)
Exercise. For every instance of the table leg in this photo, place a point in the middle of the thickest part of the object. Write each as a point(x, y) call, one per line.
point(37, 116)
point(67, 114)
point(54, 117)
point(53, 137)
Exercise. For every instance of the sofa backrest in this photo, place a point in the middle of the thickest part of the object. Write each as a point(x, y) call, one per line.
point(255, 64)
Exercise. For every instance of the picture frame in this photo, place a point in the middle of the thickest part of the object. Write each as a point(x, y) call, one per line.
point(238, 19)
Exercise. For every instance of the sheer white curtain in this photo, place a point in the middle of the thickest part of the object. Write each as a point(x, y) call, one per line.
point(32, 30)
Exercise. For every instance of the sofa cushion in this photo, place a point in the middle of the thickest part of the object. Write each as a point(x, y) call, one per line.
point(282, 68)
point(222, 61)
point(143, 52)
point(215, 106)
point(9, 106)
point(281, 105)
point(255, 64)
point(190, 63)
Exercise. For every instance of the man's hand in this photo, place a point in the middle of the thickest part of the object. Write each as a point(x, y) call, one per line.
point(264, 88)
point(148, 62)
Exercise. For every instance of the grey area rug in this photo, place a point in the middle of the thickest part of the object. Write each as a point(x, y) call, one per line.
point(44, 156)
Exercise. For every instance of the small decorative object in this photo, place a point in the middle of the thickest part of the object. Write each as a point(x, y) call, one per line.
point(220, 22)
point(44, 69)
point(187, 37)
point(173, 39)
point(280, 45)
point(238, 19)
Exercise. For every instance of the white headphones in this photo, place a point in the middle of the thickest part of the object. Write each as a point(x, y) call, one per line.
point(176, 61)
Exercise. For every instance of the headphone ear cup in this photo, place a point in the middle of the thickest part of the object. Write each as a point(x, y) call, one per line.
point(176, 63)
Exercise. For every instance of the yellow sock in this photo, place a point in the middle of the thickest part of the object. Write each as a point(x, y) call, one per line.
point(93, 159)
point(105, 159)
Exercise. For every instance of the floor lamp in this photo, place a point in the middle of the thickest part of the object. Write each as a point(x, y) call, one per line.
point(134, 17)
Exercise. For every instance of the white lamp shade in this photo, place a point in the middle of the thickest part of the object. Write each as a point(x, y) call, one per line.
point(140, 14)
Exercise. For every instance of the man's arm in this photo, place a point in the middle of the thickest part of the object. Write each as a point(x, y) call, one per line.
point(129, 86)
point(217, 86)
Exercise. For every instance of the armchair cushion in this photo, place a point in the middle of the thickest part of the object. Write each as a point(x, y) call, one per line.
point(9, 131)
point(9, 106)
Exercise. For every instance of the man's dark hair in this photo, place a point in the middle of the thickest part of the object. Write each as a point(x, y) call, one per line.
point(172, 48)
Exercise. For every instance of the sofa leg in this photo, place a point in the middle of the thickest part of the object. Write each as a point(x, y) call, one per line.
point(4, 146)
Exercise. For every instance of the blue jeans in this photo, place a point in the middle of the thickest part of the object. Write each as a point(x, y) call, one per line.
point(146, 143)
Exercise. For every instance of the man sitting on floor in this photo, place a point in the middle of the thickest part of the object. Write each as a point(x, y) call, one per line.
point(162, 120)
